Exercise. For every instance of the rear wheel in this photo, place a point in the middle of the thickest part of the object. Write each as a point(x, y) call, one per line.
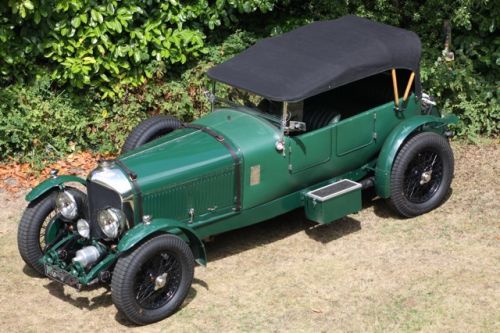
point(421, 174)
point(149, 130)
point(151, 282)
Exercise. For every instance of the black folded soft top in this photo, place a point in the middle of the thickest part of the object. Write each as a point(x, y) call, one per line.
point(318, 57)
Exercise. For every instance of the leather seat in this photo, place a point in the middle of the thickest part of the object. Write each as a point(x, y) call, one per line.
point(320, 117)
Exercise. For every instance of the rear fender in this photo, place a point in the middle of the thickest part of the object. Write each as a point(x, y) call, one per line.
point(51, 183)
point(394, 142)
point(143, 231)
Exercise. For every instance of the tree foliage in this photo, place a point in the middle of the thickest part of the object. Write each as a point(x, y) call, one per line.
point(109, 45)
point(100, 66)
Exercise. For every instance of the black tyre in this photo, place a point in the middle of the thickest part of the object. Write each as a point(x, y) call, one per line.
point(32, 237)
point(150, 129)
point(421, 174)
point(150, 283)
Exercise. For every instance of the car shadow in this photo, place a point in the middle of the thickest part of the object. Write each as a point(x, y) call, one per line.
point(32, 273)
point(326, 233)
point(122, 320)
point(104, 299)
point(89, 303)
point(241, 240)
point(381, 207)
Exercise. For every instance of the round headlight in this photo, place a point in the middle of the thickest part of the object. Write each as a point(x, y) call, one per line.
point(83, 228)
point(66, 205)
point(111, 221)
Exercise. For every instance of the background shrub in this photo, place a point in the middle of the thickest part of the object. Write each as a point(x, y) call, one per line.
point(98, 67)
point(110, 45)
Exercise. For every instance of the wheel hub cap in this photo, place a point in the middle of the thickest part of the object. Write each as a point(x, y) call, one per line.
point(160, 281)
point(425, 177)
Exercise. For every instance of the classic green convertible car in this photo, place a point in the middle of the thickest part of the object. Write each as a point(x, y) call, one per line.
point(329, 109)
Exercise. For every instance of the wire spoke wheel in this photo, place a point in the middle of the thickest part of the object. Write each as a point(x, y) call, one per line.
point(423, 177)
point(158, 281)
point(421, 174)
point(152, 281)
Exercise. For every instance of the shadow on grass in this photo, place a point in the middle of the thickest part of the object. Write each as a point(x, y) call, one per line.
point(382, 208)
point(103, 300)
point(326, 233)
point(240, 240)
point(32, 273)
point(121, 319)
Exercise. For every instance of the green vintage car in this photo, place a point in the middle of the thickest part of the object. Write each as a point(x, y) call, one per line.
point(325, 111)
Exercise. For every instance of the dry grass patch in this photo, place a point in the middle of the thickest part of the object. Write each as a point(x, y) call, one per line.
point(369, 272)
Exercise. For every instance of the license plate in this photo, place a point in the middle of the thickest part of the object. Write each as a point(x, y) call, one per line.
point(60, 275)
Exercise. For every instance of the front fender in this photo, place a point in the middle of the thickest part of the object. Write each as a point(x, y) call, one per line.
point(141, 231)
point(50, 183)
point(393, 143)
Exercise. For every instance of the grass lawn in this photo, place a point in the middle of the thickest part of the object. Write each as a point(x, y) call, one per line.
point(368, 272)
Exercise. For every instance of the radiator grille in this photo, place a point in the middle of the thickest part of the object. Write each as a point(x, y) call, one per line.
point(100, 197)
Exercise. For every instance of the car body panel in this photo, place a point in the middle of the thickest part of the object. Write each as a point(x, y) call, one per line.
point(254, 139)
point(51, 183)
point(189, 176)
point(182, 171)
point(395, 140)
point(144, 230)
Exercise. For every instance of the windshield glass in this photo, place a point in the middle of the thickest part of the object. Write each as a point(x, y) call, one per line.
point(244, 101)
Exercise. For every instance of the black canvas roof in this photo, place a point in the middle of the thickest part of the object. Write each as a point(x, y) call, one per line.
point(318, 57)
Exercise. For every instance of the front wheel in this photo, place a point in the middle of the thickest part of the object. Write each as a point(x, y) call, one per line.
point(150, 283)
point(40, 226)
point(421, 174)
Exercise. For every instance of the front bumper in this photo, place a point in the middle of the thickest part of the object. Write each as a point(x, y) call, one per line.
point(59, 267)
point(59, 274)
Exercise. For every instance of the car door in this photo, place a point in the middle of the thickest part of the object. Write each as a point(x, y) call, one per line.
point(356, 132)
point(309, 149)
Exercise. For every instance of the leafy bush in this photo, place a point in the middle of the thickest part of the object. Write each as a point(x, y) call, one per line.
point(109, 45)
point(460, 90)
point(59, 58)
point(35, 121)
point(39, 123)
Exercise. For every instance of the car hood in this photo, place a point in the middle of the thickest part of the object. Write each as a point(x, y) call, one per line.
point(177, 157)
point(187, 153)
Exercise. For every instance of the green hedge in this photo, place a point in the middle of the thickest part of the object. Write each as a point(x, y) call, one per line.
point(99, 67)
point(109, 45)
point(38, 122)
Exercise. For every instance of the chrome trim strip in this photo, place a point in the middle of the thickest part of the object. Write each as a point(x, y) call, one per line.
point(113, 178)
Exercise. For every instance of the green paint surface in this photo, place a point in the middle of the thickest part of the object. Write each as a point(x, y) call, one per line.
point(188, 178)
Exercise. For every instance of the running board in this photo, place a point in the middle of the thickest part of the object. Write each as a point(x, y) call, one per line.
point(331, 202)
